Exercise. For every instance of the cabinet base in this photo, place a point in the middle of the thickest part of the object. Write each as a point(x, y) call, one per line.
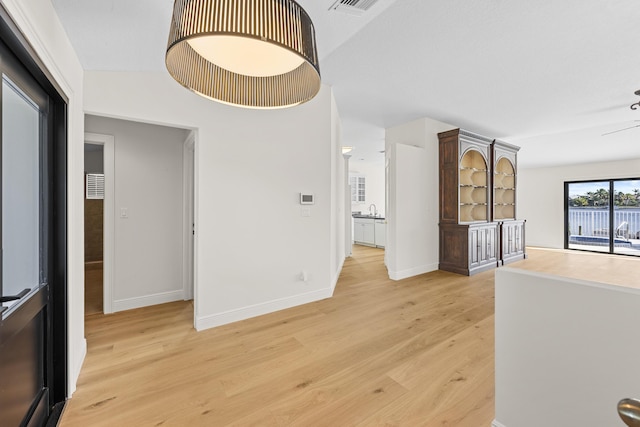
point(514, 258)
point(466, 271)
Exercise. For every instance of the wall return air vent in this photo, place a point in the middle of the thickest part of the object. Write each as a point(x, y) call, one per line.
point(353, 7)
point(94, 186)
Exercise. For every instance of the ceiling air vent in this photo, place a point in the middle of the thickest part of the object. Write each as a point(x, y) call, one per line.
point(353, 7)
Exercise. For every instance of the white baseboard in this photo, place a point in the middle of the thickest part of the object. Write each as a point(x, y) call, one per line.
point(336, 277)
point(497, 424)
point(147, 300)
point(403, 274)
point(75, 370)
point(219, 319)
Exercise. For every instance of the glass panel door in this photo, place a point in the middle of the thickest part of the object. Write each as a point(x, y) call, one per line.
point(588, 216)
point(33, 229)
point(626, 217)
point(21, 134)
point(26, 373)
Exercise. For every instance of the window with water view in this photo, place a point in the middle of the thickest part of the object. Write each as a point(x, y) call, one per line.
point(603, 216)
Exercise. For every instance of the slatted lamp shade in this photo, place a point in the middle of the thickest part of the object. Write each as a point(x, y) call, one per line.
point(249, 53)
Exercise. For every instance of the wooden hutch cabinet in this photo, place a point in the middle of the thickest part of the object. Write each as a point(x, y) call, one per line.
point(504, 159)
point(478, 226)
point(468, 239)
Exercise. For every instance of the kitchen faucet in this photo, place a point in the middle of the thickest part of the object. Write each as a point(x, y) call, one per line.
point(375, 210)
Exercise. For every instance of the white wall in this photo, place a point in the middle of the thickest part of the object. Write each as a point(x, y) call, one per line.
point(412, 216)
point(541, 196)
point(347, 236)
point(566, 350)
point(40, 25)
point(337, 247)
point(148, 184)
point(252, 240)
point(374, 185)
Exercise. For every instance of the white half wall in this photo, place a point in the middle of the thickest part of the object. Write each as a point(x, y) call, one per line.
point(148, 242)
point(39, 23)
point(566, 350)
point(541, 196)
point(412, 215)
point(253, 238)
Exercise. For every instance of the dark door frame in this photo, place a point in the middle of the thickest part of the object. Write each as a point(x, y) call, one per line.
point(56, 368)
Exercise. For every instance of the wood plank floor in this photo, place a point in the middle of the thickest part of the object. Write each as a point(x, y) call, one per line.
point(415, 352)
point(93, 287)
point(596, 267)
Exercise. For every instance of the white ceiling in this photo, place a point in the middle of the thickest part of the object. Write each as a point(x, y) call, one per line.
point(549, 76)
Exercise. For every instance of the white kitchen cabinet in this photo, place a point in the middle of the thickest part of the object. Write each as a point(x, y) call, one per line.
point(369, 234)
point(358, 231)
point(364, 231)
point(380, 226)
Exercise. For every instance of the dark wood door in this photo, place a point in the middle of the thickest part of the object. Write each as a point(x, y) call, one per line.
point(32, 347)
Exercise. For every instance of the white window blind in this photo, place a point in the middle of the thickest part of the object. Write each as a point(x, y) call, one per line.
point(357, 188)
point(95, 186)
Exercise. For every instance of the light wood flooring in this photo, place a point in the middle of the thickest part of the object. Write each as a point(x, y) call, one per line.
point(595, 267)
point(93, 287)
point(415, 352)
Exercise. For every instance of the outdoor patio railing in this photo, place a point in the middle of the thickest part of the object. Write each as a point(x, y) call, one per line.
point(595, 221)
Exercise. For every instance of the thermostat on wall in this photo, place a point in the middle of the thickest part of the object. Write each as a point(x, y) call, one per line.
point(306, 199)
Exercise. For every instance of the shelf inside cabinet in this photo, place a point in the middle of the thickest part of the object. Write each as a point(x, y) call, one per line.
point(473, 159)
point(506, 211)
point(504, 190)
point(473, 212)
point(475, 177)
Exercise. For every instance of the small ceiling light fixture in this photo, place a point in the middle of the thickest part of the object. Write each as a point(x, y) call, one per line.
point(248, 53)
point(346, 149)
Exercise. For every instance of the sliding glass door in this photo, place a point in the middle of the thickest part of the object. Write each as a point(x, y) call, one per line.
point(626, 214)
point(603, 216)
point(588, 219)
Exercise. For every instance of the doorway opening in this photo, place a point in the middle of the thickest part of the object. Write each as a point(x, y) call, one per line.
point(148, 226)
point(98, 227)
point(93, 228)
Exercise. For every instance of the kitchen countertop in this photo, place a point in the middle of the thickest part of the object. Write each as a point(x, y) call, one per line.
point(366, 216)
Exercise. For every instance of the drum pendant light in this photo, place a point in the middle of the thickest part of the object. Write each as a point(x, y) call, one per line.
point(249, 53)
